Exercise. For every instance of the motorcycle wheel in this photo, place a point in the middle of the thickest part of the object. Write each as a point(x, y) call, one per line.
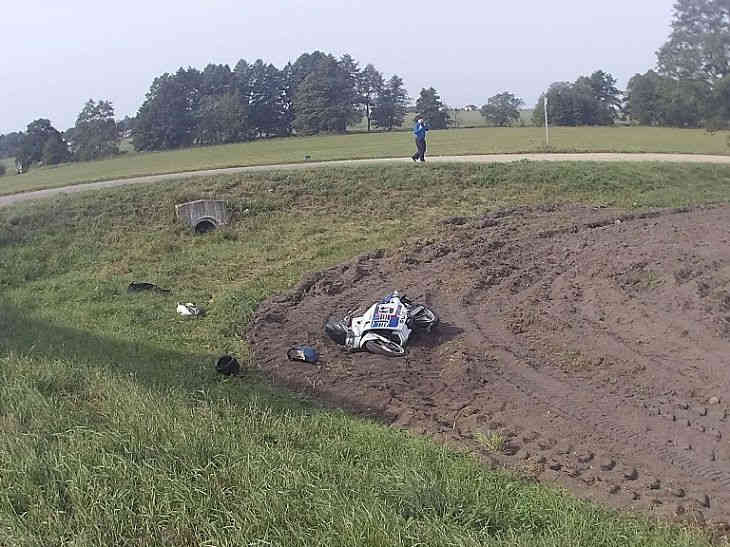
point(424, 318)
point(388, 349)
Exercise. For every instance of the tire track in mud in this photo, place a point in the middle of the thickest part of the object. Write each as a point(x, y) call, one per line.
point(598, 414)
point(569, 402)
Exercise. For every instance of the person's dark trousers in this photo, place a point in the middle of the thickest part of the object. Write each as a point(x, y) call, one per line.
point(419, 155)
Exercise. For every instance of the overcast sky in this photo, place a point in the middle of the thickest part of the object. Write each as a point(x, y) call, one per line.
point(57, 55)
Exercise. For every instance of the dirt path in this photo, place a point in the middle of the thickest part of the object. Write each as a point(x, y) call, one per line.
point(499, 158)
point(587, 347)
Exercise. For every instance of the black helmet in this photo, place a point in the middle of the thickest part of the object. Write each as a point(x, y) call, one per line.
point(228, 365)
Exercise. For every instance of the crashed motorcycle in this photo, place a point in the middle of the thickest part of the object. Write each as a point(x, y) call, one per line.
point(384, 328)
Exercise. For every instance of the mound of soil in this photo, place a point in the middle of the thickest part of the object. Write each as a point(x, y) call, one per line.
point(580, 346)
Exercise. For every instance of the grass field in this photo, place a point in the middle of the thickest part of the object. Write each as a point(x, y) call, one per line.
point(459, 118)
point(115, 429)
point(398, 144)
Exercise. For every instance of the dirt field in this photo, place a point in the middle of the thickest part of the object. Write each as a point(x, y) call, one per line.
point(584, 347)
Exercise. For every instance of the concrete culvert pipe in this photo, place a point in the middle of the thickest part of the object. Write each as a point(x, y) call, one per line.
point(205, 225)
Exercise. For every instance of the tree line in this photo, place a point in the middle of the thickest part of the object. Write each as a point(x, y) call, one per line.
point(95, 135)
point(316, 93)
point(689, 88)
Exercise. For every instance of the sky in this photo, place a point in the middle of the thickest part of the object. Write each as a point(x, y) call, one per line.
point(57, 55)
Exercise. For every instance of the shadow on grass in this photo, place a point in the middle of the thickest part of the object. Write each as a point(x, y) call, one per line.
point(156, 368)
point(39, 338)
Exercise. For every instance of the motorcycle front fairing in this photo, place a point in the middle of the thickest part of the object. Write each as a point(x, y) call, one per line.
point(386, 320)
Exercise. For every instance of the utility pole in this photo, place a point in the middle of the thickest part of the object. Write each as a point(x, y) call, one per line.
point(547, 126)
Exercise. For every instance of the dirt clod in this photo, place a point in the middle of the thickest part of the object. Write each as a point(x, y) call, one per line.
point(555, 465)
point(588, 479)
point(607, 465)
point(631, 474)
point(704, 500)
point(571, 471)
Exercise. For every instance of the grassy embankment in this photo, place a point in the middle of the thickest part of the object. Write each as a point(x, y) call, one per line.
point(377, 145)
point(114, 428)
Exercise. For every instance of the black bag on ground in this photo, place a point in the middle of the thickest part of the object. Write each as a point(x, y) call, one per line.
point(136, 286)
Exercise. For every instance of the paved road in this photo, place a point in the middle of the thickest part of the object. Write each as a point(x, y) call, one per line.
point(492, 158)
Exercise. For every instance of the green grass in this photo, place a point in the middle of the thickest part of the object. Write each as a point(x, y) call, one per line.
point(459, 119)
point(397, 144)
point(115, 430)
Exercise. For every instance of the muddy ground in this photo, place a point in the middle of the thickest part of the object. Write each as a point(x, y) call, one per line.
point(580, 346)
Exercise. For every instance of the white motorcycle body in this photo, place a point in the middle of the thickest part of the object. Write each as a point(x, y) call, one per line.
point(385, 321)
point(384, 328)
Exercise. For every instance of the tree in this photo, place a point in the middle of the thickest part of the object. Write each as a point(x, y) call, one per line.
point(683, 103)
point(607, 95)
point(10, 144)
point(167, 118)
point(317, 92)
point(560, 105)
point(305, 64)
point(653, 99)
point(349, 93)
point(313, 104)
point(293, 75)
point(721, 100)
point(326, 100)
point(586, 108)
point(55, 150)
point(431, 109)
point(699, 45)
point(370, 86)
point(242, 81)
point(502, 109)
point(216, 80)
point(266, 101)
point(222, 119)
point(34, 146)
point(590, 100)
point(643, 98)
point(391, 104)
point(95, 134)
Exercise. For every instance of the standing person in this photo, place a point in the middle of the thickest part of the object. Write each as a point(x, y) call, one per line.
point(420, 132)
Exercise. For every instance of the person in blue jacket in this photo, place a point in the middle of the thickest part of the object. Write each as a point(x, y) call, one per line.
point(420, 132)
